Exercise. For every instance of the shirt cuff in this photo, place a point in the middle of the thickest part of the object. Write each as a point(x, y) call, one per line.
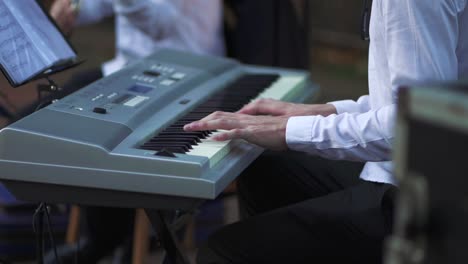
point(346, 106)
point(298, 132)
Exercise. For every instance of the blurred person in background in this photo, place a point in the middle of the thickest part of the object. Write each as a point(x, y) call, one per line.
point(142, 27)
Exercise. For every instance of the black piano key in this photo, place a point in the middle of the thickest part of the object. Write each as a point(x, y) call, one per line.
point(173, 129)
point(178, 125)
point(177, 139)
point(167, 144)
point(174, 150)
point(225, 109)
point(197, 115)
point(180, 131)
point(232, 98)
point(221, 104)
point(159, 146)
point(191, 141)
point(165, 153)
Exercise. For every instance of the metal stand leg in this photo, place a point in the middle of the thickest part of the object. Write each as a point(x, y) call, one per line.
point(40, 238)
point(38, 225)
point(167, 237)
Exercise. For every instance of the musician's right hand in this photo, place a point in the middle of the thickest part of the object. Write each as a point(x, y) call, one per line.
point(268, 132)
point(64, 13)
point(280, 108)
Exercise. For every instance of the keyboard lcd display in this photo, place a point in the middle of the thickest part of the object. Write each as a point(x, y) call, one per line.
point(138, 88)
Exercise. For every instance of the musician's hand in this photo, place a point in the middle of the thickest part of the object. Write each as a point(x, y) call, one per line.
point(279, 108)
point(265, 131)
point(64, 14)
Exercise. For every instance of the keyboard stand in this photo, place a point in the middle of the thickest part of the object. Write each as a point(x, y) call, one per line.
point(166, 234)
point(167, 214)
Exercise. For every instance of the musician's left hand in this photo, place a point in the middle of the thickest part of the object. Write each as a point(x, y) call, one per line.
point(265, 131)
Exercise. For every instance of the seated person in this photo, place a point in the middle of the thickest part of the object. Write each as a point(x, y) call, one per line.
point(308, 210)
point(142, 27)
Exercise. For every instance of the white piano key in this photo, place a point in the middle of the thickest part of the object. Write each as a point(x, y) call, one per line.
point(282, 87)
point(213, 150)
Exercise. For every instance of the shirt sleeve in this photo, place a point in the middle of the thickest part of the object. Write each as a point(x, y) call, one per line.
point(420, 41)
point(348, 136)
point(92, 11)
point(351, 106)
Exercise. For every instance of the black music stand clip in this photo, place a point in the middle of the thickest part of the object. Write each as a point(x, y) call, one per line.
point(52, 88)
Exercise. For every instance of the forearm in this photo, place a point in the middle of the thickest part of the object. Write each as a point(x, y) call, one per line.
point(323, 109)
point(349, 136)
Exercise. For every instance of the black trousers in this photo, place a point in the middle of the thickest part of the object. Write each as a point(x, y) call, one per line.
point(303, 209)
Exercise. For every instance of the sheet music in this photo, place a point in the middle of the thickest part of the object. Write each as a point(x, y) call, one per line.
point(29, 42)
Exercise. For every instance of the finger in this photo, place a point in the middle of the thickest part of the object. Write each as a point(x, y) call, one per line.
point(221, 120)
point(230, 134)
point(263, 107)
point(218, 115)
point(213, 124)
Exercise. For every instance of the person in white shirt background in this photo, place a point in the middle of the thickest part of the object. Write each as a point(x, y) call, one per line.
point(141, 27)
point(304, 209)
point(144, 26)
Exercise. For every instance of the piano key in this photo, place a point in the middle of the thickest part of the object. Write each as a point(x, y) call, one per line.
point(214, 150)
point(281, 89)
point(191, 141)
point(170, 149)
point(200, 134)
point(159, 146)
point(180, 143)
point(231, 99)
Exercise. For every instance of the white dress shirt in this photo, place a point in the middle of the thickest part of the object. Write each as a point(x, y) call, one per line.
point(411, 41)
point(144, 26)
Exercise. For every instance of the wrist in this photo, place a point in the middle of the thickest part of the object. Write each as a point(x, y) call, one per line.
point(281, 132)
point(328, 109)
point(323, 109)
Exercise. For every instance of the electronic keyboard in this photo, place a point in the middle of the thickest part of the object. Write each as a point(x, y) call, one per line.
point(120, 141)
